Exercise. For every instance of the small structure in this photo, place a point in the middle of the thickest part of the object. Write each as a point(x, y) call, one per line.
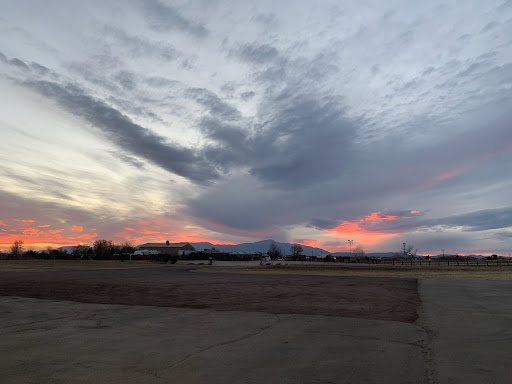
point(171, 249)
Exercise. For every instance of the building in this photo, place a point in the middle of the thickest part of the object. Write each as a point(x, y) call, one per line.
point(171, 249)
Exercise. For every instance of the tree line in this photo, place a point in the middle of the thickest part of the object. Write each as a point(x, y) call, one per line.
point(100, 250)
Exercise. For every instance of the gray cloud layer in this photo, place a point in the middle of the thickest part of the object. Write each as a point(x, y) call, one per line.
point(128, 135)
point(163, 17)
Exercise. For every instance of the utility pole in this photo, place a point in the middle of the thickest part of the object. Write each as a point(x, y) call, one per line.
point(443, 253)
point(350, 242)
point(404, 244)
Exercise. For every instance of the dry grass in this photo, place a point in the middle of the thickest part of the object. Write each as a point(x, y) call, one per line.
point(398, 271)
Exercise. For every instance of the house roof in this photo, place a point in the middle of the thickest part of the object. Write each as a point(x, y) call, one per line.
point(164, 245)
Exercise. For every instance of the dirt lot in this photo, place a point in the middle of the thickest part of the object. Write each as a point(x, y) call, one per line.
point(181, 286)
point(183, 323)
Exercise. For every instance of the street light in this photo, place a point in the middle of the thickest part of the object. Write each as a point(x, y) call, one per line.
point(350, 242)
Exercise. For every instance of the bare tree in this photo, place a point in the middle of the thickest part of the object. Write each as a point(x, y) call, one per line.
point(102, 248)
point(407, 251)
point(126, 248)
point(17, 249)
point(359, 253)
point(81, 251)
point(273, 250)
point(296, 251)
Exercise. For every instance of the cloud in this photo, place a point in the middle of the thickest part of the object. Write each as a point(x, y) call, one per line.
point(247, 95)
point(138, 46)
point(128, 159)
point(127, 135)
point(163, 17)
point(76, 228)
point(482, 220)
point(267, 19)
point(213, 104)
point(39, 69)
point(19, 64)
point(255, 53)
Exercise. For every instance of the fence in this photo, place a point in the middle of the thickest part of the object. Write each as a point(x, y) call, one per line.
point(439, 262)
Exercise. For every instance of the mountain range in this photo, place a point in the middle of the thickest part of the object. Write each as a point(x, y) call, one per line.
point(264, 245)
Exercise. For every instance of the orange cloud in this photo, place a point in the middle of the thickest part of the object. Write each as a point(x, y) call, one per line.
point(415, 212)
point(2, 223)
point(452, 173)
point(32, 232)
point(307, 243)
point(353, 229)
point(43, 226)
point(24, 221)
point(86, 236)
point(161, 229)
point(375, 216)
point(76, 228)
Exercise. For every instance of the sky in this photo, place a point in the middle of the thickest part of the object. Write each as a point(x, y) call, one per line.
point(311, 122)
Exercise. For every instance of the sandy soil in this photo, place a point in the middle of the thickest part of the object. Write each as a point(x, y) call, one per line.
point(177, 286)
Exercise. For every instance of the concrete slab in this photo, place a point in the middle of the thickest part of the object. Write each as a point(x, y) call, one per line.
point(44, 341)
point(469, 323)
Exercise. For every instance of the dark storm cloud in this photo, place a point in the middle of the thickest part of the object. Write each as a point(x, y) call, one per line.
point(308, 146)
point(297, 146)
point(126, 134)
point(3, 58)
point(309, 140)
point(481, 220)
point(294, 157)
point(163, 17)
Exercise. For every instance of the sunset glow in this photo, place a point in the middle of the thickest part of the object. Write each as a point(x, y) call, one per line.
point(310, 243)
point(292, 132)
point(361, 235)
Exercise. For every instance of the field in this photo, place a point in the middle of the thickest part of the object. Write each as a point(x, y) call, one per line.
point(114, 322)
point(493, 271)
